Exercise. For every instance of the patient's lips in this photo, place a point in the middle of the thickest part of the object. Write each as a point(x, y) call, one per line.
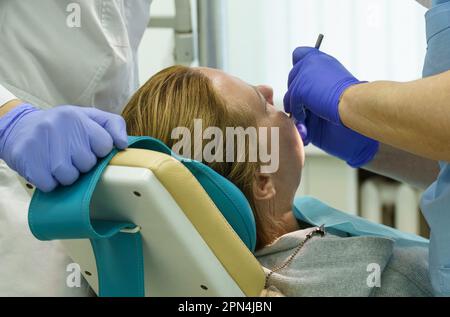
point(301, 128)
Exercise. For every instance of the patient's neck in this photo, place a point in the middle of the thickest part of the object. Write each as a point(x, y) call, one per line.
point(290, 222)
point(282, 214)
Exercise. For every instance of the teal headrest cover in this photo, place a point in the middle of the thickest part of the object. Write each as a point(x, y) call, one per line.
point(48, 222)
point(225, 195)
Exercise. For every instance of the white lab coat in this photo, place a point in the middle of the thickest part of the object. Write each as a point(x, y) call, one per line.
point(45, 62)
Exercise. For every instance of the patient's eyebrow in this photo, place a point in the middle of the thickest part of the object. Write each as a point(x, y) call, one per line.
point(260, 96)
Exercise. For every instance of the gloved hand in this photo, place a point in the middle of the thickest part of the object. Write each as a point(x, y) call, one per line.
point(339, 141)
point(52, 147)
point(316, 83)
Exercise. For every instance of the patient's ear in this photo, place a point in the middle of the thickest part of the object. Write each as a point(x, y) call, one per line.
point(263, 187)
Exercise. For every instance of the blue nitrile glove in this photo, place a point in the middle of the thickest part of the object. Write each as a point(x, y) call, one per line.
point(52, 147)
point(339, 141)
point(316, 83)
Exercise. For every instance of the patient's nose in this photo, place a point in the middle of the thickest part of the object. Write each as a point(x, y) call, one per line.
point(267, 92)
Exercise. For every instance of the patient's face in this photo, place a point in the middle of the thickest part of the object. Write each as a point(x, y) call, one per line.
point(260, 101)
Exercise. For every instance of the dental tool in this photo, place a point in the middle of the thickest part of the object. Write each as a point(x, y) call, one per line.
point(319, 41)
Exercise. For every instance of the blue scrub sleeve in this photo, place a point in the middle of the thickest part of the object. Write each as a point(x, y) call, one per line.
point(436, 200)
point(438, 2)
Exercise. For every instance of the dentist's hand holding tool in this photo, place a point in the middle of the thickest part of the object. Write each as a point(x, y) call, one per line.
point(316, 85)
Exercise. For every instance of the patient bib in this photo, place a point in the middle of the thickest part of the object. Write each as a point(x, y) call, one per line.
point(314, 212)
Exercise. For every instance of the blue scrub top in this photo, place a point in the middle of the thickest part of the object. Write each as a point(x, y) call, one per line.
point(438, 2)
point(435, 203)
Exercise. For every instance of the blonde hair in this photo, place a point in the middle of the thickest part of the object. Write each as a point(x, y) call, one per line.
point(176, 97)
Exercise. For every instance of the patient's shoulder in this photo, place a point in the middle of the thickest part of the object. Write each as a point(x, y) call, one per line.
point(328, 266)
point(329, 251)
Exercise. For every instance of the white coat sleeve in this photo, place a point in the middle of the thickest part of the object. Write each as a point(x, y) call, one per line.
point(5, 96)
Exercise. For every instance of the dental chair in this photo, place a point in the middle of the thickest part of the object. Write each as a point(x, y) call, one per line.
point(145, 222)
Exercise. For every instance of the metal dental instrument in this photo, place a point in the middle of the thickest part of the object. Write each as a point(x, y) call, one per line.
point(317, 46)
point(319, 41)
